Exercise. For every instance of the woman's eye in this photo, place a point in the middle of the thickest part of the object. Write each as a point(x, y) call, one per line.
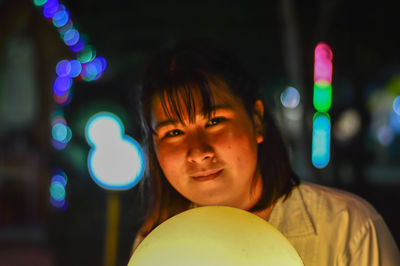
point(215, 121)
point(174, 133)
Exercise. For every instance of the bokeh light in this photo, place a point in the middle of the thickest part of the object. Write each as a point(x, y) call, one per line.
point(348, 125)
point(322, 99)
point(63, 68)
point(60, 18)
point(394, 122)
point(60, 178)
point(39, 2)
point(93, 69)
point(62, 85)
point(63, 99)
point(115, 161)
point(87, 54)
point(323, 63)
point(385, 135)
point(62, 30)
point(71, 37)
point(60, 131)
point(76, 68)
point(57, 189)
point(76, 48)
point(396, 105)
point(50, 8)
point(290, 97)
point(58, 145)
point(321, 140)
point(102, 62)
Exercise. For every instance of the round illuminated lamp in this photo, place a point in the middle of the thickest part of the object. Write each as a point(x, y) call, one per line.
point(215, 236)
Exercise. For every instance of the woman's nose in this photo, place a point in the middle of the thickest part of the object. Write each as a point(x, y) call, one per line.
point(200, 150)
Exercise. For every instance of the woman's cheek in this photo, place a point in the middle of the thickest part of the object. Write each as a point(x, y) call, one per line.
point(170, 154)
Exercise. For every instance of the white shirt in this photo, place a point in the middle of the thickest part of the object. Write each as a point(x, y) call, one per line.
point(331, 227)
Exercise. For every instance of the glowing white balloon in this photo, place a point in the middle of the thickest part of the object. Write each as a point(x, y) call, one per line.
point(215, 236)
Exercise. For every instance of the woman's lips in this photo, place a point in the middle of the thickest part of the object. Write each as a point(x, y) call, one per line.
point(206, 175)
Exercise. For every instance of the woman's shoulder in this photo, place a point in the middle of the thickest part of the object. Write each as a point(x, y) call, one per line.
point(333, 203)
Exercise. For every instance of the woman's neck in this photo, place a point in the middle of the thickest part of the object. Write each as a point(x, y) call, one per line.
point(265, 213)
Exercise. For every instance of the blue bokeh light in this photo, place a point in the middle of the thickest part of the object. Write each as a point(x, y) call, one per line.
point(50, 8)
point(60, 18)
point(396, 105)
point(71, 37)
point(103, 63)
point(62, 30)
point(62, 85)
point(63, 68)
point(93, 69)
point(385, 135)
point(60, 204)
point(76, 48)
point(394, 122)
point(60, 179)
point(58, 145)
point(290, 97)
point(76, 68)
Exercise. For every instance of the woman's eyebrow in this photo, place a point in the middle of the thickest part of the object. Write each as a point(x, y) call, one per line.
point(224, 106)
point(214, 108)
point(165, 123)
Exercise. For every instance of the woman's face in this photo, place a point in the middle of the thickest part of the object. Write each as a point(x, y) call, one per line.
point(211, 161)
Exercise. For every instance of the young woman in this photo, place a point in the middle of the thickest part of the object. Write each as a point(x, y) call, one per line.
point(211, 141)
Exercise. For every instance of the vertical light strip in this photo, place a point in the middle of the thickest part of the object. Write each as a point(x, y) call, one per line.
point(322, 101)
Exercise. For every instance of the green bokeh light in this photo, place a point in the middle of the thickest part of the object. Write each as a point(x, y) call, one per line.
point(322, 96)
point(57, 191)
point(39, 2)
point(87, 54)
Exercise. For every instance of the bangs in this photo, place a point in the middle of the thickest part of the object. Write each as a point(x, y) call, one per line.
point(181, 100)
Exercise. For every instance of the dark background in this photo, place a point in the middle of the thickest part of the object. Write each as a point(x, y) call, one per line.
point(275, 40)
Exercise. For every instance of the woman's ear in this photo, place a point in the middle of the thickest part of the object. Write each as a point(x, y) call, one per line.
point(258, 115)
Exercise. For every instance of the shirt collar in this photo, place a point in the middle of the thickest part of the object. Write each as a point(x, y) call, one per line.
point(291, 217)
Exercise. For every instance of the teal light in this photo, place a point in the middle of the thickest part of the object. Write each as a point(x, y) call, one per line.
point(87, 54)
point(57, 191)
point(59, 132)
point(321, 138)
point(39, 2)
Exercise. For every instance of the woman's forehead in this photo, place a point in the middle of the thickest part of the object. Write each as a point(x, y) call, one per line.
point(165, 106)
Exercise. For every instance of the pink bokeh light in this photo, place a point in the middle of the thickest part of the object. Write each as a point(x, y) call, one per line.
point(323, 63)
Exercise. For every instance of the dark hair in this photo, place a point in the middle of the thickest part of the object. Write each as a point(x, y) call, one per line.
point(177, 73)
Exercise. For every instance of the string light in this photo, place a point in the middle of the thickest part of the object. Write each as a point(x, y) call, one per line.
point(322, 100)
point(57, 189)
